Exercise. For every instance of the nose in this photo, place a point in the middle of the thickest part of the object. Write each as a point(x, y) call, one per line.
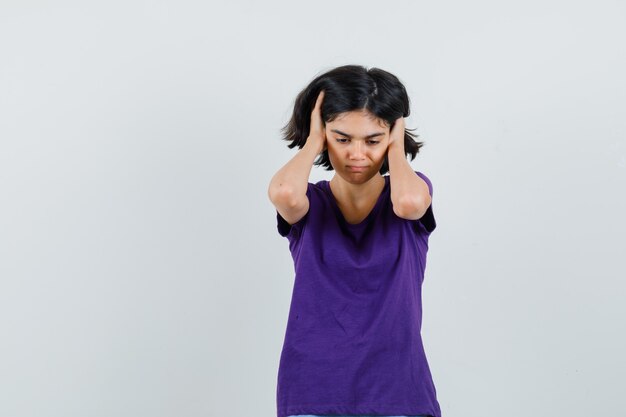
point(356, 150)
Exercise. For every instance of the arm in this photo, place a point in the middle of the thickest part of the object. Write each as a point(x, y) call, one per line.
point(409, 193)
point(287, 189)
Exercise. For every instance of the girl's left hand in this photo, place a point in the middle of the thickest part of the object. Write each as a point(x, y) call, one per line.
point(396, 136)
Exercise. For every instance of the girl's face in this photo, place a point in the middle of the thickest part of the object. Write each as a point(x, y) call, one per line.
point(357, 139)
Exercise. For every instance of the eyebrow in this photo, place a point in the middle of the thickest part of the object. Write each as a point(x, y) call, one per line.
point(373, 135)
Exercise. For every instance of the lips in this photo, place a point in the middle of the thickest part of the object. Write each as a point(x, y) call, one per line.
point(357, 168)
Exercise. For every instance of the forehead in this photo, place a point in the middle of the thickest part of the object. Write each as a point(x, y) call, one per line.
point(358, 120)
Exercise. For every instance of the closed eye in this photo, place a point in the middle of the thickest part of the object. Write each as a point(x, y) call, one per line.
point(372, 142)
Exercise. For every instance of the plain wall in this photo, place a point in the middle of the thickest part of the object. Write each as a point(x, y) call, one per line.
point(141, 271)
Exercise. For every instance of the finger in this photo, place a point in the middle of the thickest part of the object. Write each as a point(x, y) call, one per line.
point(399, 124)
point(398, 129)
point(320, 99)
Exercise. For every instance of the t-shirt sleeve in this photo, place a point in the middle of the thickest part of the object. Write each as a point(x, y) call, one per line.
point(293, 230)
point(427, 221)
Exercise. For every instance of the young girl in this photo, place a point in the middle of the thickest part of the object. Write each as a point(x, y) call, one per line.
point(353, 346)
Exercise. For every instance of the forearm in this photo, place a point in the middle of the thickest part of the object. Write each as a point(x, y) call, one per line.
point(291, 180)
point(408, 190)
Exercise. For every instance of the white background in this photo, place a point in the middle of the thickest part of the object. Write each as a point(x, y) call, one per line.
point(141, 271)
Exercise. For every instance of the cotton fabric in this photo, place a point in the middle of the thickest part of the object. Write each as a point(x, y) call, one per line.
point(353, 342)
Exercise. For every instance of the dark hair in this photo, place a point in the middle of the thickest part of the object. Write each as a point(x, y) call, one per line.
point(348, 88)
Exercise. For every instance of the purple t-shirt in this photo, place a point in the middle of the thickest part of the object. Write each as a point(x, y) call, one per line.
point(353, 340)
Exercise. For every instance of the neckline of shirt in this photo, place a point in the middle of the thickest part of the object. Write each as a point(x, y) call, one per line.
point(369, 216)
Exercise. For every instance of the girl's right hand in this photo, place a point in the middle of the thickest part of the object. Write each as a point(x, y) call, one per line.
point(317, 133)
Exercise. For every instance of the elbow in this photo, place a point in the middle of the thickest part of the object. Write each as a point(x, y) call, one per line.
point(412, 208)
point(282, 195)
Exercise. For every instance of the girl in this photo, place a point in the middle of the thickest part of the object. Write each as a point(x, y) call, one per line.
point(353, 346)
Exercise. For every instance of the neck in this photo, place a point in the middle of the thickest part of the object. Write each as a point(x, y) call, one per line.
point(352, 192)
